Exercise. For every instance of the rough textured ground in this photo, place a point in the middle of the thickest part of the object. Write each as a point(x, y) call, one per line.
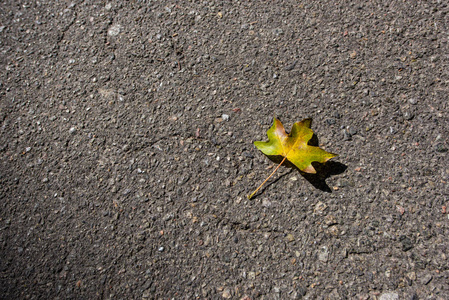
point(126, 150)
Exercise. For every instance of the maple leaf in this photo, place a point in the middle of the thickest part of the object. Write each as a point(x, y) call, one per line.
point(293, 147)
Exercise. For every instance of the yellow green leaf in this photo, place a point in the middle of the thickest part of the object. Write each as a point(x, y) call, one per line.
point(294, 146)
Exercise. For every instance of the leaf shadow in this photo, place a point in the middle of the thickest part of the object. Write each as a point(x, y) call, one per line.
point(318, 180)
point(323, 171)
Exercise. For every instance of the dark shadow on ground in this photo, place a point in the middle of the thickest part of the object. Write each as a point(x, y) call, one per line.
point(318, 180)
point(323, 171)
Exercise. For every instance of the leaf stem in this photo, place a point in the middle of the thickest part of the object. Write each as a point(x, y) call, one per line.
point(250, 196)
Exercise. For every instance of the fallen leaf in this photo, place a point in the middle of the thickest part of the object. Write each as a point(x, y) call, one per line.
point(293, 147)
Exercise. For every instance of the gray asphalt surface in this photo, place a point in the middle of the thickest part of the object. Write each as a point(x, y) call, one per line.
point(126, 150)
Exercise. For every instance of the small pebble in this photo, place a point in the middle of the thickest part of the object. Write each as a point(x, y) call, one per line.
point(406, 242)
point(320, 207)
point(408, 115)
point(346, 135)
point(323, 254)
point(330, 121)
point(290, 238)
point(251, 275)
point(291, 66)
point(413, 101)
point(266, 203)
point(225, 117)
point(114, 30)
point(426, 279)
point(352, 131)
point(227, 293)
point(161, 249)
point(411, 276)
point(247, 154)
point(389, 296)
point(295, 90)
point(278, 31)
